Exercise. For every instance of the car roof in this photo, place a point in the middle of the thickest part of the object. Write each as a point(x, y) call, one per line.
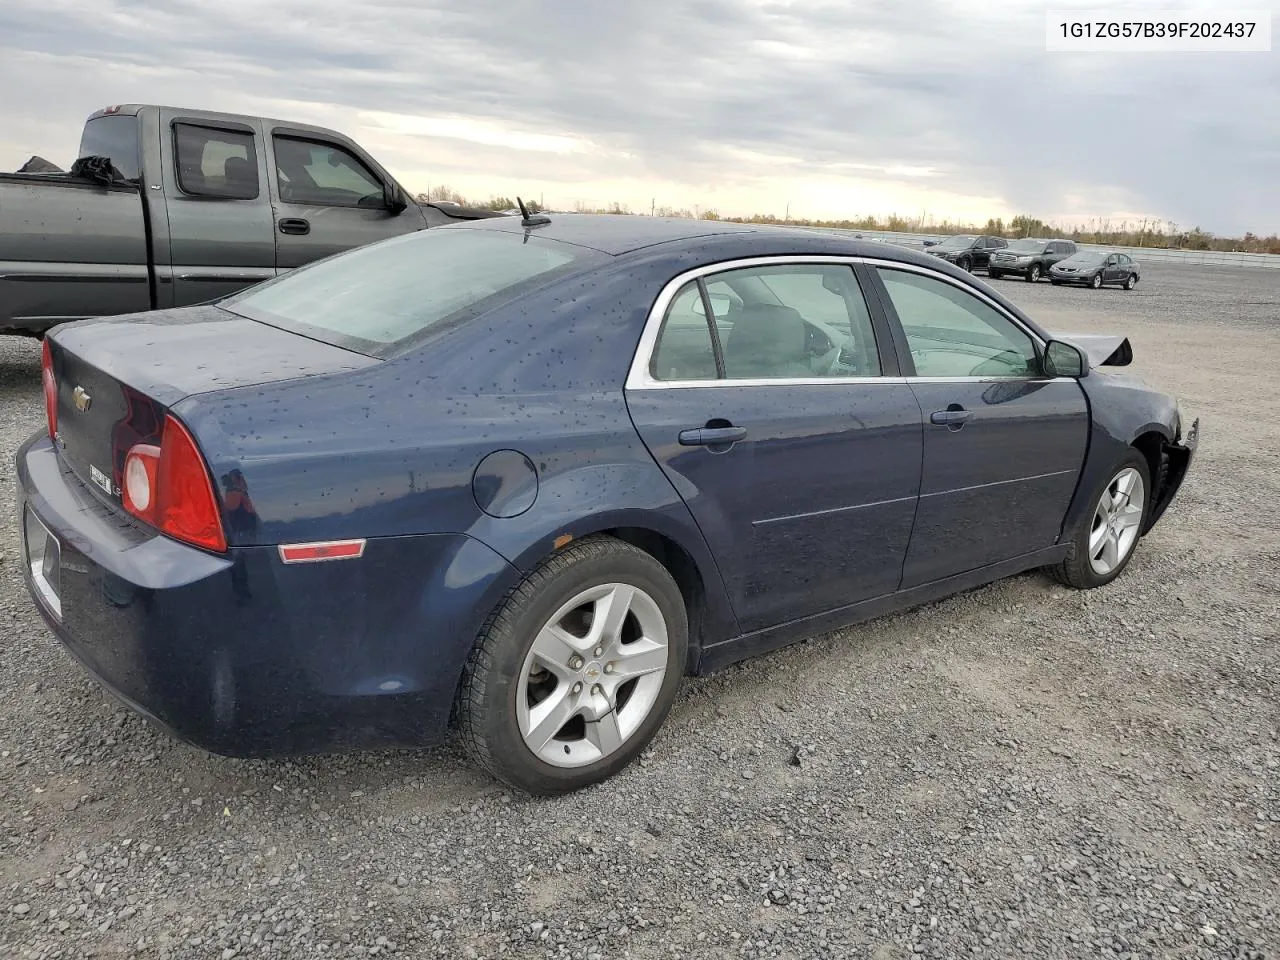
point(694, 242)
point(616, 234)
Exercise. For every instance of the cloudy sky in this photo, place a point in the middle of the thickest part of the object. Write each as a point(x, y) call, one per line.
point(835, 107)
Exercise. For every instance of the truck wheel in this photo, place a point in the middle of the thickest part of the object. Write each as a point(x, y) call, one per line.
point(576, 668)
point(1034, 273)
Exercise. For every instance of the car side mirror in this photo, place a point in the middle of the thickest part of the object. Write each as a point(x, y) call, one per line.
point(1065, 360)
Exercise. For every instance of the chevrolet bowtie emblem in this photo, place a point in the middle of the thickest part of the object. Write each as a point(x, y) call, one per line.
point(82, 399)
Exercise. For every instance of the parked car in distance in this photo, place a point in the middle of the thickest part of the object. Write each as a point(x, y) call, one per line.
point(1029, 258)
point(1095, 268)
point(967, 252)
point(193, 206)
point(531, 473)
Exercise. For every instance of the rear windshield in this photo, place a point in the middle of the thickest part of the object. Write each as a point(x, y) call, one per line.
point(115, 137)
point(379, 298)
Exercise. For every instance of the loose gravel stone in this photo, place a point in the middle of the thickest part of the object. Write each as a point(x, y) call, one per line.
point(1020, 771)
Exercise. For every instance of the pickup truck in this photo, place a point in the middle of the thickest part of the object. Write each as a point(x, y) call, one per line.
point(187, 206)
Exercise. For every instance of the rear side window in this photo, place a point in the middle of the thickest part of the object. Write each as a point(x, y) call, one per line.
point(377, 298)
point(324, 174)
point(214, 162)
point(115, 137)
point(784, 322)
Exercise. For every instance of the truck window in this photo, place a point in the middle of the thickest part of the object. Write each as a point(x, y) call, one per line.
point(218, 163)
point(324, 174)
point(115, 137)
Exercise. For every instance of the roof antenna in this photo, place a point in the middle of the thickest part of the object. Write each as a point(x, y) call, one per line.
point(531, 219)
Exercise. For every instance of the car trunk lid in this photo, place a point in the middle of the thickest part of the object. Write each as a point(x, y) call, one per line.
point(118, 377)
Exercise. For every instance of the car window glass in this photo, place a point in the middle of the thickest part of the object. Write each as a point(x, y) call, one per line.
point(952, 333)
point(115, 137)
point(684, 350)
point(324, 174)
point(797, 321)
point(375, 298)
point(216, 163)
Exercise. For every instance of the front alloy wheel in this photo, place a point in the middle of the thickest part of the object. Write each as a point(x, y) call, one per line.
point(1117, 521)
point(1102, 546)
point(1034, 273)
point(1096, 282)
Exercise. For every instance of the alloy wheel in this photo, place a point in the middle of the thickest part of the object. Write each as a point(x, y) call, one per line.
point(1116, 521)
point(592, 675)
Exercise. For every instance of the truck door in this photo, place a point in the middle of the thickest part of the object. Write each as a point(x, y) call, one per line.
point(327, 198)
point(220, 228)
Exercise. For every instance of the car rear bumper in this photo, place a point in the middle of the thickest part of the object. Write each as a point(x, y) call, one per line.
point(244, 655)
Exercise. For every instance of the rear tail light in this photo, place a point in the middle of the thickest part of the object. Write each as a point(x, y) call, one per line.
point(169, 487)
point(50, 388)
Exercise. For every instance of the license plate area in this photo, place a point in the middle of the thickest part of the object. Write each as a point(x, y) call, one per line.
point(44, 561)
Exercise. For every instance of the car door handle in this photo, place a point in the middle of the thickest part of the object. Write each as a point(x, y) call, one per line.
point(951, 418)
point(711, 436)
point(295, 226)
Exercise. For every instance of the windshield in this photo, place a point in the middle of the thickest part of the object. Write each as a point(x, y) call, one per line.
point(1086, 256)
point(1027, 246)
point(955, 243)
point(374, 299)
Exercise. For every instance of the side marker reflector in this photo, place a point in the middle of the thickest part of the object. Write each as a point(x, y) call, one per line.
point(326, 550)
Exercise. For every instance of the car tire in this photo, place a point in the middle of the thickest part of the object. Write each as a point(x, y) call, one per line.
point(1131, 281)
point(1081, 569)
point(1096, 281)
point(1034, 273)
point(503, 667)
point(965, 264)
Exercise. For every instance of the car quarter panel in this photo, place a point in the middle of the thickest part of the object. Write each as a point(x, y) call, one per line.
point(270, 653)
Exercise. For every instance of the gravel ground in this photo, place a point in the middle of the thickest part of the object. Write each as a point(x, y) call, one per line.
point(1022, 771)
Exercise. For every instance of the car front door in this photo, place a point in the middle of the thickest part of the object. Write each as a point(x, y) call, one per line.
point(782, 426)
point(1003, 444)
point(327, 199)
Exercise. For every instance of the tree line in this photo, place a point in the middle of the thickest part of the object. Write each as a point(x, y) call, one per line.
point(1102, 231)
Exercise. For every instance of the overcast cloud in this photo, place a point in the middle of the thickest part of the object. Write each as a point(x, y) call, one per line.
point(837, 108)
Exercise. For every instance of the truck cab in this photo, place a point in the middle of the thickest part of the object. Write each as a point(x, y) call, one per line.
point(196, 205)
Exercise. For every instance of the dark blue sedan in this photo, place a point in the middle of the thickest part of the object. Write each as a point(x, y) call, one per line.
point(525, 476)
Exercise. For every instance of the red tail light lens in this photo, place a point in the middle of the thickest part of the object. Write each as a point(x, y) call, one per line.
point(50, 388)
point(169, 487)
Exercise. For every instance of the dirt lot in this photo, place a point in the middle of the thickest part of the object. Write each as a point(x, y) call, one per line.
point(1023, 771)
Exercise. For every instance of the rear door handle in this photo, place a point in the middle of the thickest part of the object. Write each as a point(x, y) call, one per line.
point(295, 225)
point(711, 436)
point(951, 418)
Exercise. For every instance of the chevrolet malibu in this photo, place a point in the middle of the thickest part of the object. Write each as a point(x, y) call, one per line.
point(522, 476)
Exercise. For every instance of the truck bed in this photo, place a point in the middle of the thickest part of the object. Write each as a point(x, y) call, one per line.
point(69, 248)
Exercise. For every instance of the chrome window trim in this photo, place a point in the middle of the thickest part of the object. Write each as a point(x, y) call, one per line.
point(639, 378)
